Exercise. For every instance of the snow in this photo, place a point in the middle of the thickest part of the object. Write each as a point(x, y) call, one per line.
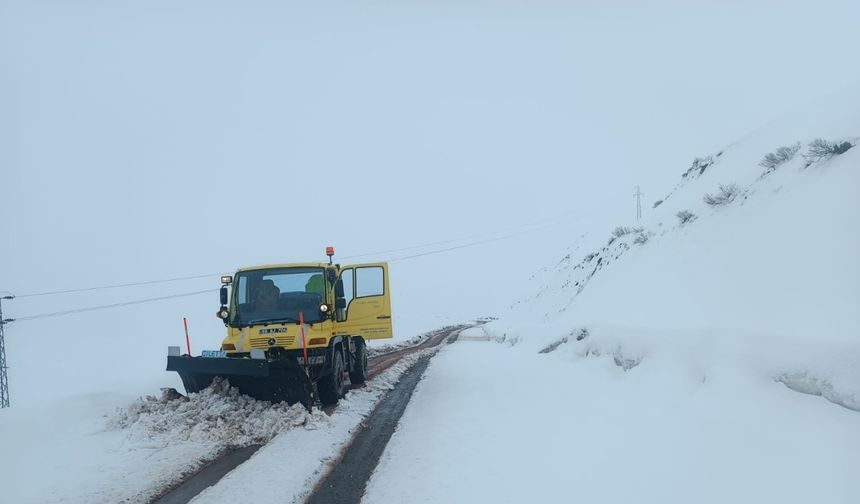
point(377, 347)
point(712, 361)
point(297, 459)
point(219, 414)
point(477, 333)
point(66, 453)
point(489, 423)
point(85, 449)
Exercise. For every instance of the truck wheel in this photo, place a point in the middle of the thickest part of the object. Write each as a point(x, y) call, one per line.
point(358, 373)
point(331, 387)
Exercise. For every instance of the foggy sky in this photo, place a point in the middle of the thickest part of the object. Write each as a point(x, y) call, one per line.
point(147, 140)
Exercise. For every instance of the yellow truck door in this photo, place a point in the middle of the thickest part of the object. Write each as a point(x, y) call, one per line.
point(368, 302)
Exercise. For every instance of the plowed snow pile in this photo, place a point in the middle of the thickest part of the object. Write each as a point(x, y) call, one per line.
point(219, 414)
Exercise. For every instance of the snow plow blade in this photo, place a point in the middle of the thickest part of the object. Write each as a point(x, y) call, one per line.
point(275, 381)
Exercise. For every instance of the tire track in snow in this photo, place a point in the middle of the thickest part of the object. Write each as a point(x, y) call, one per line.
point(346, 482)
point(210, 474)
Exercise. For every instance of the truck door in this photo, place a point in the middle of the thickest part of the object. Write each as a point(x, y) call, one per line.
point(368, 301)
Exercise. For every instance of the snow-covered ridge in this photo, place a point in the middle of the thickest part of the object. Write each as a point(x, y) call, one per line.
point(573, 273)
point(748, 263)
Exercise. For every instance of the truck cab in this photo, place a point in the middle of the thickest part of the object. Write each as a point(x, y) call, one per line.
point(270, 303)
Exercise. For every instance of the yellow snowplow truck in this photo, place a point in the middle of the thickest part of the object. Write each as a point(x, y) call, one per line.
point(295, 332)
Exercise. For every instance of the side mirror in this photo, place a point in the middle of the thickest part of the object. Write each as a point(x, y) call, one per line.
point(223, 295)
point(338, 290)
point(340, 309)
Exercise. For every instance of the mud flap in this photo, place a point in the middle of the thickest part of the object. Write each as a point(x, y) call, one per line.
point(275, 381)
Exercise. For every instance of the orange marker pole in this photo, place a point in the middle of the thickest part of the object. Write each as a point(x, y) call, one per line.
point(187, 339)
point(304, 344)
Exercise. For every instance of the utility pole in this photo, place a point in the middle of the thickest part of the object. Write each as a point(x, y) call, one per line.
point(638, 195)
point(4, 379)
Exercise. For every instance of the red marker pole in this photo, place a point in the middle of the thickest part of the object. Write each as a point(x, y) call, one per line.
point(302, 330)
point(187, 339)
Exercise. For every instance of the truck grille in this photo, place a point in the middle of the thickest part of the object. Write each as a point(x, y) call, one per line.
point(281, 341)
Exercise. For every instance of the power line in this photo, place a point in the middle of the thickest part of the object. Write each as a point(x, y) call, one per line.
point(186, 294)
point(116, 286)
point(107, 306)
point(209, 275)
point(442, 242)
point(193, 277)
point(467, 245)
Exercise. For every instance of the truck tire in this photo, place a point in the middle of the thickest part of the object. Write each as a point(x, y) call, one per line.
point(358, 373)
point(331, 387)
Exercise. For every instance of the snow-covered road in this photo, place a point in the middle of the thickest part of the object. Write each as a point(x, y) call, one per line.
point(493, 423)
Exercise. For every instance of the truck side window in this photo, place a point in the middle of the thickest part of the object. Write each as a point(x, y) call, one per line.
point(369, 281)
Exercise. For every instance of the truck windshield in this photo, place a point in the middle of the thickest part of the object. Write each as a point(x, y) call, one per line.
point(278, 295)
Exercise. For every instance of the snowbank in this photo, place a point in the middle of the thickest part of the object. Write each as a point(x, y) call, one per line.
point(831, 371)
point(91, 451)
point(490, 423)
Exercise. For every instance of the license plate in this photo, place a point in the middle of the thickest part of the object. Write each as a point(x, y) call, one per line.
point(213, 353)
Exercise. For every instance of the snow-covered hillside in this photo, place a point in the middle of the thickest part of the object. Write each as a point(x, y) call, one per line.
point(679, 362)
point(780, 259)
point(743, 310)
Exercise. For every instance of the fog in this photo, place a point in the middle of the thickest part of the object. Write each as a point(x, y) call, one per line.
point(150, 140)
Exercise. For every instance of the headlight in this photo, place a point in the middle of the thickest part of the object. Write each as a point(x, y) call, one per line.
point(223, 313)
point(324, 308)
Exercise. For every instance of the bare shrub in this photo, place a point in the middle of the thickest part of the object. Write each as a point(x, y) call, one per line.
point(641, 239)
point(779, 156)
point(819, 149)
point(685, 216)
point(726, 195)
point(552, 347)
point(622, 231)
point(698, 167)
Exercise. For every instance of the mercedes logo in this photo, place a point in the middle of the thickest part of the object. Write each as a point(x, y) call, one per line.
point(271, 342)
